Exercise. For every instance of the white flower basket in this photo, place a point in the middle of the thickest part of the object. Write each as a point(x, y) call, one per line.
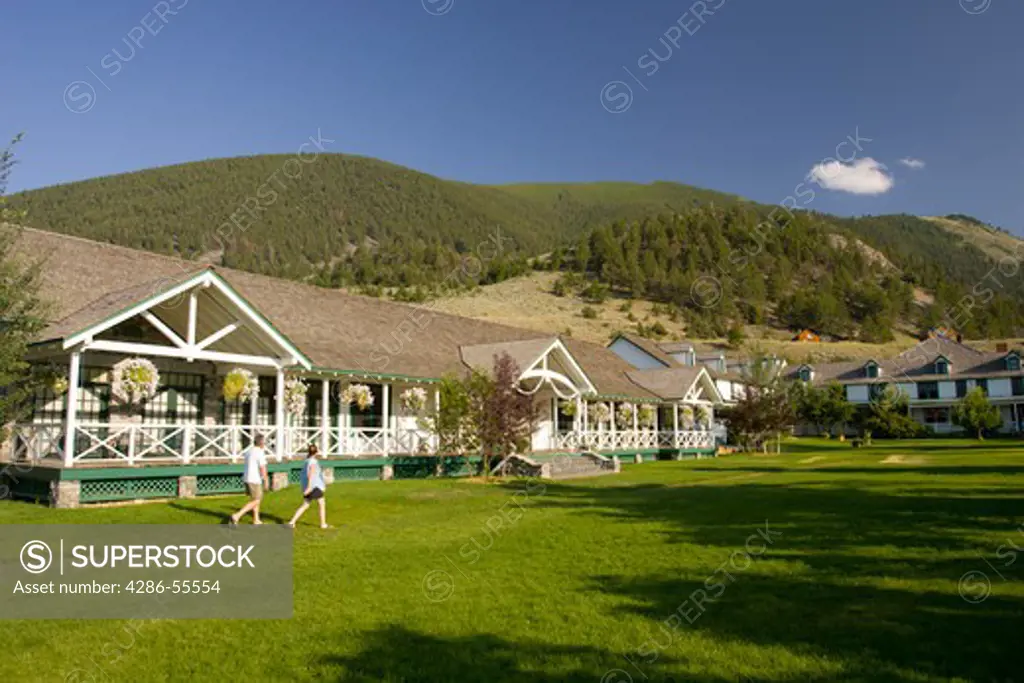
point(624, 415)
point(704, 416)
point(359, 394)
point(295, 391)
point(241, 385)
point(59, 385)
point(687, 417)
point(413, 400)
point(134, 380)
point(646, 416)
point(599, 413)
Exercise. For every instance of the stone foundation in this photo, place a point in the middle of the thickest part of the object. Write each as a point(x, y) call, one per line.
point(188, 486)
point(64, 494)
point(278, 480)
point(387, 472)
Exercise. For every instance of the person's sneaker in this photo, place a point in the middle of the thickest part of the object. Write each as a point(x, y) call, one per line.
point(290, 525)
point(257, 523)
point(232, 521)
point(325, 526)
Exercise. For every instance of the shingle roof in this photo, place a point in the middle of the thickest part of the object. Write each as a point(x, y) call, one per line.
point(87, 281)
point(917, 364)
point(524, 353)
point(670, 384)
point(651, 348)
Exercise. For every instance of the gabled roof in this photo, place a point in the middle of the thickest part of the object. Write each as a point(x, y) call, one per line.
point(87, 281)
point(918, 364)
point(524, 352)
point(670, 383)
point(651, 348)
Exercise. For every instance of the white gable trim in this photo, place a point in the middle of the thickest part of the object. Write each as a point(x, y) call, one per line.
point(542, 361)
point(190, 349)
point(703, 382)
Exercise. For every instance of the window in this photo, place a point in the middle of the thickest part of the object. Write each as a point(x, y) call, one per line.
point(927, 391)
point(941, 367)
point(936, 416)
point(871, 370)
point(876, 390)
point(961, 388)
point(178, 400)
point(806, 374)
point(982, 384)
point(1013, 362)
point(1017, 384)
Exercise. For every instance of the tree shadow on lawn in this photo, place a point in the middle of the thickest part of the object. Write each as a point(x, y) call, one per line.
point(814, 519)
point(874, 633)
point(880, 469)
point(847, 540)
point(223, 512)
point(396, 653)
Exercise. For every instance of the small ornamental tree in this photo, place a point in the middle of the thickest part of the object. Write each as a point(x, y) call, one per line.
point(975, 414)
point(809, 406)
point(763, 411)
point(504, 416)
point(451, 421)
point(836, 410)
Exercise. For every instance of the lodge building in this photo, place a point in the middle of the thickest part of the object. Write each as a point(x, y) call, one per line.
point(197, 323)
point(933, 375)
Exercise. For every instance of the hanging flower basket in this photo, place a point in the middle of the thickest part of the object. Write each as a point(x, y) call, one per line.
point(59, 385)
point(599, 412)
point(52, 376)
point(567, 408)
point(413, 400)
point(295, 391)
point(704, 416)
point(241, 385)
point(646, 415)
point(359, 394)
point(134, 380)
point(687, 416)
point(624, 415)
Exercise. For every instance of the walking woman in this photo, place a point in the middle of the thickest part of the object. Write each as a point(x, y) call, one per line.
point(313, 488)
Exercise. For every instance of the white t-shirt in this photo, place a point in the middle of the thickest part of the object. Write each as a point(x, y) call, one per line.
point(255, 458)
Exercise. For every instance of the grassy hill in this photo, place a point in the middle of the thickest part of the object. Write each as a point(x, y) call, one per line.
point(345, 220)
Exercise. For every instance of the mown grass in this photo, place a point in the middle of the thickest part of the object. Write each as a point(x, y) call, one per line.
point(861, 581)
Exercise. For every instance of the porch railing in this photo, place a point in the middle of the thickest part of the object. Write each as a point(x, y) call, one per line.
point(151, 442)
point(626, 440)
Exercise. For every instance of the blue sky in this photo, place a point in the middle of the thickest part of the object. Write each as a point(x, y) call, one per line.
point(749, 97)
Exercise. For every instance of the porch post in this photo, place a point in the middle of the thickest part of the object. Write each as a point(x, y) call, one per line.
point(279, 415)
point(325, 416)
point(386, 417)
point(675, 418)
point(437, 412)
point(74, 373)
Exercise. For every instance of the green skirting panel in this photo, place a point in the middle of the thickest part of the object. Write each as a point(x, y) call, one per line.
point(356, 473)
point(99, 490)
point(207, 484)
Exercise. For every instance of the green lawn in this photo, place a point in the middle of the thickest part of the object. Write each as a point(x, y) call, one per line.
point(860, 580)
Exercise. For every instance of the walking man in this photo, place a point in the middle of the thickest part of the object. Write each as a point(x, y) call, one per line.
point(254, 474)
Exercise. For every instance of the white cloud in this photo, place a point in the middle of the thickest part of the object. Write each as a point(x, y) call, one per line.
point(909, 162)
point(862, 176)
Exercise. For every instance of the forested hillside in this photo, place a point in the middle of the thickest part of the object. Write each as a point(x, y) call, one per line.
point(353, 221)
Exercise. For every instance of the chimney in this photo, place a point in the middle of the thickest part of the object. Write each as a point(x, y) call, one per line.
point(1001, 347)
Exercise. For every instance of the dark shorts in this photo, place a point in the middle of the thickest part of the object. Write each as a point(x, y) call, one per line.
point(255, 491)
point(315, 494)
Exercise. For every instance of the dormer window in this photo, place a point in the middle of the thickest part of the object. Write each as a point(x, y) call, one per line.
point(806, 373)
point(871, 370)
point(1013, 362)
point(941, 367)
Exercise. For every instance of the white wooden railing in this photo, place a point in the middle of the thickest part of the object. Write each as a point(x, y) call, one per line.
point(152, 442)
point(626, 440)
point(148, 442)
